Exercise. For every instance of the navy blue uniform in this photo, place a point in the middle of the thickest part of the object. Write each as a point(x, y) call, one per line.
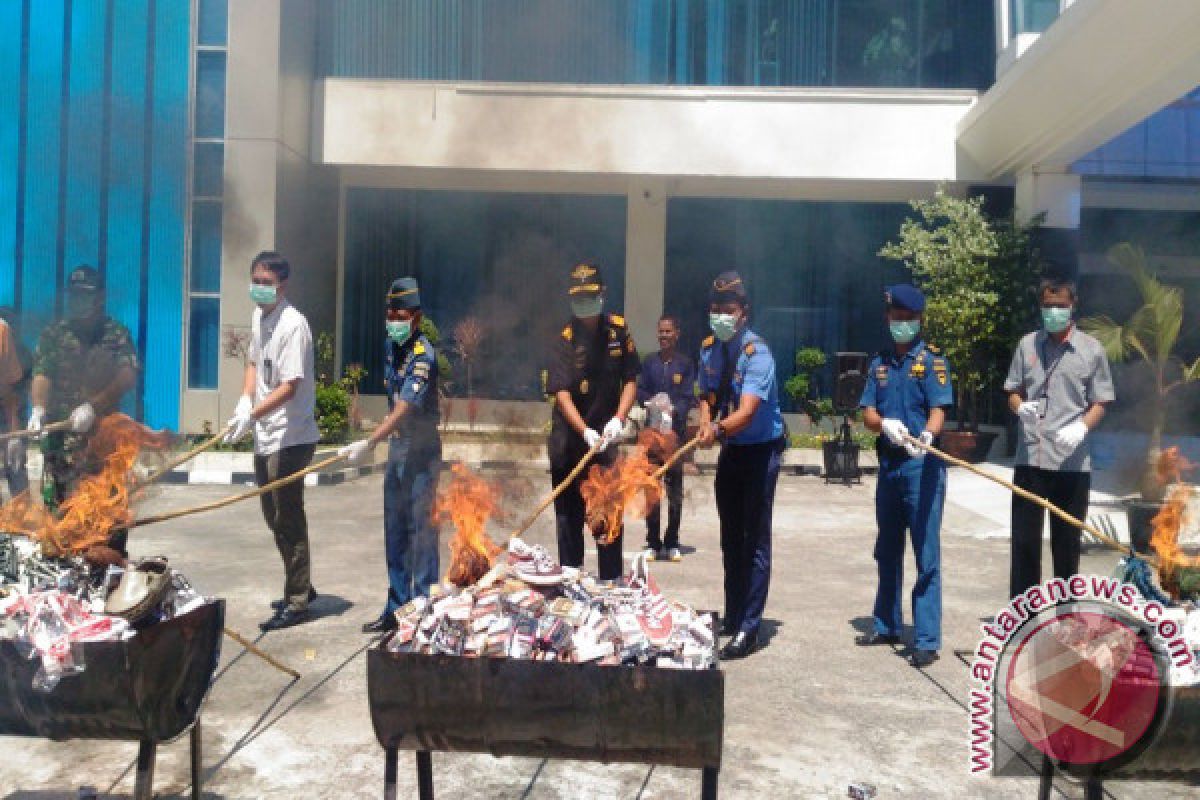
point(676, 379)
point(911, 491)
point(414, 460)
point(747, 469)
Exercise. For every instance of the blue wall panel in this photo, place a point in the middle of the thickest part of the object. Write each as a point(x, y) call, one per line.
point(11, 16)
point(85, 117)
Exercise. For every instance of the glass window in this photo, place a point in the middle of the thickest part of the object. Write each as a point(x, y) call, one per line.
point(206, 247)
point(209, 165)
point(210, 95)
point(204, 328)
point(212, 23)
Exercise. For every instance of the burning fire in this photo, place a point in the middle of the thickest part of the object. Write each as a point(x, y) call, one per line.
point(628, 485)
point(1169, 521)
point(1171, 465)
point(468, 502)
point(100, 503)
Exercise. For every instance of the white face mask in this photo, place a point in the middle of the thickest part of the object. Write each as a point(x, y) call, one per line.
point(399, 330)
point(584, 307)
point(724, 326)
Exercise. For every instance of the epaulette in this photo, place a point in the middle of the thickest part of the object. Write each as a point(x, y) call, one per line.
point(933, 348)
point(709, 341)
point(419, 349)
point(748, 349)
point(616, 319)
point(568, 334)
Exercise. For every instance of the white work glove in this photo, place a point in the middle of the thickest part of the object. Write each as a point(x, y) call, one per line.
point(1027, 412)
point(613, 430)
point(595, 440)
point(37, 419)
point(925, 438)
point(356, 453)
point(241, 422)
point(1072, 434)
point(82, 418)
point(638, 415)
point(895, 431)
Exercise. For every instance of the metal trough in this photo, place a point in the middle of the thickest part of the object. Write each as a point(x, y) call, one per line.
point(541, 709)
point(147, 689)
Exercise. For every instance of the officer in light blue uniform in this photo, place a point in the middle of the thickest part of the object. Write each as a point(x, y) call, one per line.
point(739, 407)
point(414, 454)
point(907, 393)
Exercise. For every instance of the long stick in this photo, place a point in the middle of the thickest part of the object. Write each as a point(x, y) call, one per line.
point(674, 459)
point(188, 456)
point(227, 501)
point(562, 487)
point(25, 433)
point(1030, 496)
point(264, 655)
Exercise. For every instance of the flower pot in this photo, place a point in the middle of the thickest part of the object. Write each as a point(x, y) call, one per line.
point(1140, 515)
point(970, 446)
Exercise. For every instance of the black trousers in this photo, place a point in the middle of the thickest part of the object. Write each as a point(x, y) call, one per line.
point(1068, 491)
point(283, 510)
point(673, 481)
point(569, 509)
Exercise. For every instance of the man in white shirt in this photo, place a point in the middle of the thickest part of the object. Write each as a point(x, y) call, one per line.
point(279, 402)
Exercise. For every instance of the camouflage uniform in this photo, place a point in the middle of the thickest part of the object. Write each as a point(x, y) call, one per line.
point(78, 369)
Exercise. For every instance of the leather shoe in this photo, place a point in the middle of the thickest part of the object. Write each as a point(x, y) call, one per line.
point(741, 645)
point(284, 619)
point(923, 658)
point(385, 623)
point(281, 603)
point(728, 627)
point(875, 639)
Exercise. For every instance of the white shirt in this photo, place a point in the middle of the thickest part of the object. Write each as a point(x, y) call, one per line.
point(281, 349)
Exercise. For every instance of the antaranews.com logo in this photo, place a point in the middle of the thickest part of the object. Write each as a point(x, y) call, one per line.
point(1078, 670)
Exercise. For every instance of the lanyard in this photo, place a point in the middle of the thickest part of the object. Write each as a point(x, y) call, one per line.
point(1053, 367)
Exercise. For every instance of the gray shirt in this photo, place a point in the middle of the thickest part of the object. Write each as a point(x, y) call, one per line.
point(1078, 377)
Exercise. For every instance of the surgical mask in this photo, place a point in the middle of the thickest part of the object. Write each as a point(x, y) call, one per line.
point(1056, 320)
point(904, 331)
point(263, 295)
point(81, 306)
point(724, 326)
point(399, 330)
point(583, 307)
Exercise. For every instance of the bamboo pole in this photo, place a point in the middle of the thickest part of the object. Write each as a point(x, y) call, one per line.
point(674, 459)
point(1033, 498)
point(228, 501)
point(562, 487)
point(25, 433)
point(188, 456)
point(264, 655)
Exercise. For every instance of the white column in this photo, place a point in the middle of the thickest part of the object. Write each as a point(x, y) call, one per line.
point(645, 259)
point(1056, 194)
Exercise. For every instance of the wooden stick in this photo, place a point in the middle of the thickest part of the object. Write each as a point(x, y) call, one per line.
point(562, 487)
point(227, 501)
point(265, 656)
point(188, 456)
point(674, 459)
point(25, 433)
point(1033, 498)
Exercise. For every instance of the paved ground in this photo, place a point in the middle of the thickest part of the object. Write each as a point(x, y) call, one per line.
point(805, 717)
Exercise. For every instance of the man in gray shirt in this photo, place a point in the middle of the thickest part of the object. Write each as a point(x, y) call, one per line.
point(1058, 384)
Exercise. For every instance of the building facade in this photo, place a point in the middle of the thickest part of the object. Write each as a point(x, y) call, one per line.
point(483, 146)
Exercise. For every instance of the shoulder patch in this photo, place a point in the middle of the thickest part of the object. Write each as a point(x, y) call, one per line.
point(616, 319)
point(568, 334)
point(749, 349)
point(933, 348)
point(419, 349)
point(709, 341)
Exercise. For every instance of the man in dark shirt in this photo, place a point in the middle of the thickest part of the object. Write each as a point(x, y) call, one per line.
point(592, 378)
point(671, 373)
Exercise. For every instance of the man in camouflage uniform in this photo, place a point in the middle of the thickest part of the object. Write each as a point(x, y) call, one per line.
point(82, 367)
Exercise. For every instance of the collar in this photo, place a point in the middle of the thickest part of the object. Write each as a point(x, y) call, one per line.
point(1042, 338)
point(273, 317)
point(914, 351)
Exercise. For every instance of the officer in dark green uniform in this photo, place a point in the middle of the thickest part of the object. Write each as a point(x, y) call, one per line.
point(82, 367)
point(593, 379)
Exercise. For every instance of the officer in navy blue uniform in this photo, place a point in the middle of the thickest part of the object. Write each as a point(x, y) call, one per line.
point(592, 378)
point(906, 396)
point(414, 454)
point(739, 407)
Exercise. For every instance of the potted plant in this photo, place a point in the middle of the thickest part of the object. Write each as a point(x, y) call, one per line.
point(1149, 336)
point(979, 277)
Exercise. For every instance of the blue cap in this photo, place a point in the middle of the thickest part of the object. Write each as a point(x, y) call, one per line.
point(404, 294)
point(905, 296)
point(727, 288)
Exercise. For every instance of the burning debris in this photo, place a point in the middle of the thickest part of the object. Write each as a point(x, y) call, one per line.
point(1174, 537)
point(468, 502)
point(630, 485)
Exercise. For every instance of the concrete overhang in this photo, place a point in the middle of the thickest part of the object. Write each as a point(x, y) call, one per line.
point(1101, 67)
point(690, 132)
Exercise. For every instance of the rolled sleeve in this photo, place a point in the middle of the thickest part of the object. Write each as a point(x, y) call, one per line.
point(870, 388)
point(1015, 381)
point(760, 375)
point(1100, 383)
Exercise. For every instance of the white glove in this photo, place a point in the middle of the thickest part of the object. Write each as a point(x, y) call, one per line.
point(895, 431)
point(1028, 412)
point(37, 418)
point(925, 438)
point(82, 418)
point(595, 440)
point(638, 415)
point(241, 422)
point(1072, 434)
point(356, 453)
point(613, 430)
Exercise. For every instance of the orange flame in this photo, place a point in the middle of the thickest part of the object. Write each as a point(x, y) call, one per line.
point(1165, 539)
point(1171, 465)
point(468, 502)
point(628, 485)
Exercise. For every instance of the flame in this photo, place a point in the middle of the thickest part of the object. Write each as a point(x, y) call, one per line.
point(1165, 539)
point(1171, 465)
point(468, 502)
point(628, 485)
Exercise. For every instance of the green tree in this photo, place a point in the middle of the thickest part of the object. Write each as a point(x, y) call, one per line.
point(802, 386)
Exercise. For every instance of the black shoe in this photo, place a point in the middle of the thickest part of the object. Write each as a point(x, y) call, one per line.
point(875, 638)
point(923, 658)
point(728, 627)
point(385, 622)
point(281, 604)
point(741, 645)
point(284, 619)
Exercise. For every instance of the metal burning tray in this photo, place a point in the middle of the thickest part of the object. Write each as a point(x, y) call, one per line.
point(506, 707)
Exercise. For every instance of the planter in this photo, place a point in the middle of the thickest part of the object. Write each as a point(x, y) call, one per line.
point(841, 461)
point(1141, 523)
point(971, 446)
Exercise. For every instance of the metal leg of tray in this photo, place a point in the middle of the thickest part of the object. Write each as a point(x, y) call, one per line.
point(143, 784)
point(197, 752)
point(424, 775)
point(1094, 790)
point(389, 773)
point(708, 783)
point(1047, 783)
